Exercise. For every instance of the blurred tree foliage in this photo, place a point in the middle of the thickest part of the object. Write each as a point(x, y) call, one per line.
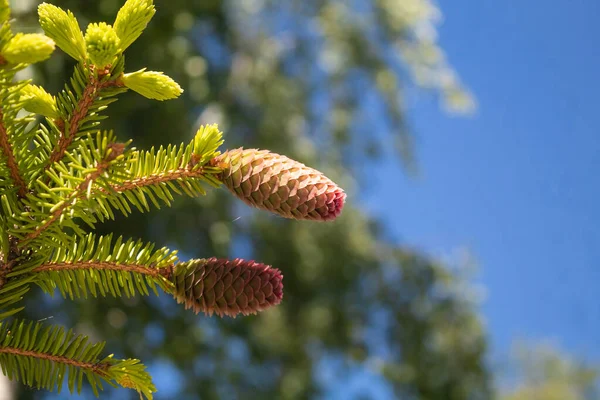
point(545, 373)
point(323, 82)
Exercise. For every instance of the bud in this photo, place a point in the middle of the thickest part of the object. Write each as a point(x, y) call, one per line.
point(102, 44)
point(226, 287)
point(62, 27)
point(278, 184)
point(132, 19)
point(207, 140)
point(28, 48)
point(152, 84)
point(37, 100)
point(114, 151)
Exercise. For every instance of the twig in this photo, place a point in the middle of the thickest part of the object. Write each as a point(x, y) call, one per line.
point(89, 95)
point(102, 265)
point(10, 159)
point(155, 179)
point(97, 368)
point(81, 189)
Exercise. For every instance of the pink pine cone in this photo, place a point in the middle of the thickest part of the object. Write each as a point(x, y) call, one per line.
point(227, 287)
point(281, 185)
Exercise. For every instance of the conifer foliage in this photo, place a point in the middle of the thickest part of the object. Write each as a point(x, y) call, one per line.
point(61, 174)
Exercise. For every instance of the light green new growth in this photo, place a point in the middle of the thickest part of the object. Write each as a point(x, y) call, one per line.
point(152, 84)
point(28, 48)
point(63, 28)
point(38, 101)
point(132, 19)
point(102, 44)
point(207, 140)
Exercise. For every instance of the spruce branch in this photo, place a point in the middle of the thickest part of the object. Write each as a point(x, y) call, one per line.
point(12, 290)
point(155, 186)
point(69, 127)
point(76, 279)
point(101, 266)
point(155, 175)
point(96, 368)
point(42, 356)
point(80, 191)
point(212, 286)
point(10, 159)
point(156, 179)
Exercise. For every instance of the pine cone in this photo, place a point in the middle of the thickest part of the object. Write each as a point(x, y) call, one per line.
point(226, 287)
point(278, 184)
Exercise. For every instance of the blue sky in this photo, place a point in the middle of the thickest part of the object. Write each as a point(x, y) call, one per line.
point(517, 183)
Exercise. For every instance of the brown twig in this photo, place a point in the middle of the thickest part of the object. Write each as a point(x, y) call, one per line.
point(111, 266)
point(10, 159)
point(5, 269)
point(97, 368)
point(124, 186)
point(8, 261)
point(89, 95)
point(155, 179)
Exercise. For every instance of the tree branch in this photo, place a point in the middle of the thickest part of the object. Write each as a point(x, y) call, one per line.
point(103, 265)
point(155, 179)
point(89, 95)
point(77, 193)
point(97, 368)
point(10, 159)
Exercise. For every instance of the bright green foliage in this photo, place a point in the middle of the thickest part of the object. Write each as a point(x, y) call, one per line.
point(44, 190)
point(36, 100)
point(152, 84)
point(95, 261)
point(61, 176)
point(102, 44)
point(28, 48)
point(40, 356)
point(207, 140)
point(132, 20)
point(63, 28)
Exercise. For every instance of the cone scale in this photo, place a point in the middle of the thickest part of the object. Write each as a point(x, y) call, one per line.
point(278, 184)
